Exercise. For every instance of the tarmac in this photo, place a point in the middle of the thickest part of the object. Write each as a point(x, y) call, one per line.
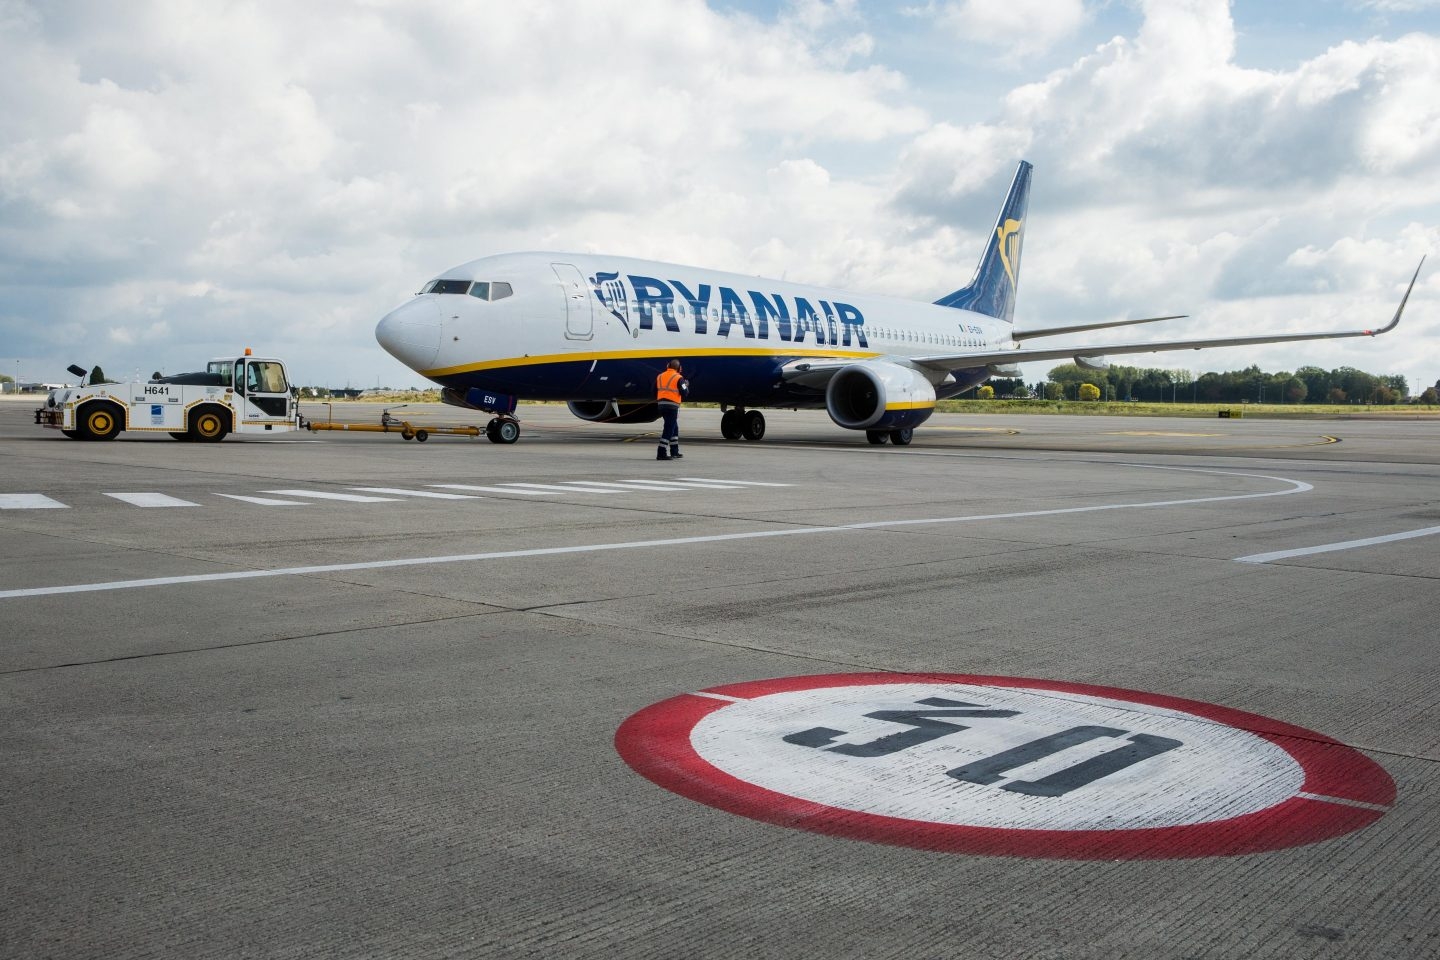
point(1031, 687)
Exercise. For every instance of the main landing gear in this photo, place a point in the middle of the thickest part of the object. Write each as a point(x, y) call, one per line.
point(740, 422)
point(901, 438)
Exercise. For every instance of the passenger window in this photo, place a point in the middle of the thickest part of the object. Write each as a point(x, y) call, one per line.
point(500, 290)
point(480, 290)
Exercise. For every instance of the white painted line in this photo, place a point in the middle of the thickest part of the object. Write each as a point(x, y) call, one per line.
point(1344, 802)
point(1293, 486)
point(683, 484)
point(467, 486)
point(29, 501)
point(743, 483)
point(327, 495)
point(619, 487)
point(151, 500)
point(264, 501)
point(552, 488)
point(1331, 547)
point(717, 696)
point(417, 493)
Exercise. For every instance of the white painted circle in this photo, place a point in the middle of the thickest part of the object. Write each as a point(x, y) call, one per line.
point(1217, 773)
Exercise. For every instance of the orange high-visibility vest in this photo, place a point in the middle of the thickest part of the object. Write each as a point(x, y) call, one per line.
point(667, 386)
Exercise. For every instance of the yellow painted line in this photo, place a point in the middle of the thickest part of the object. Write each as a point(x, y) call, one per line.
point(676, 351)
point(1159, 433)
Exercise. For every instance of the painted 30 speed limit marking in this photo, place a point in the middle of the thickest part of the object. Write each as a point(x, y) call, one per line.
point(1006, 766)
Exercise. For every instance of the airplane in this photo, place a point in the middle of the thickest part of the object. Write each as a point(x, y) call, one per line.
point(594, 331)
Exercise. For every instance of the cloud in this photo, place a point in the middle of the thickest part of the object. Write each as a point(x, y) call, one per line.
point(1018, 27)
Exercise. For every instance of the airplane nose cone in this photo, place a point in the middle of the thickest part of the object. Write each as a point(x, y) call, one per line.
point(411, 333)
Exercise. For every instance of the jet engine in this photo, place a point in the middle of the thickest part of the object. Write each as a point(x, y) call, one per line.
point(878, 395)
point(613, 411)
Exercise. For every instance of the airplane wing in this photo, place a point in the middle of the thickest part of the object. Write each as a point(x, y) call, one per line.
point(1019, 335)
point(958, 361)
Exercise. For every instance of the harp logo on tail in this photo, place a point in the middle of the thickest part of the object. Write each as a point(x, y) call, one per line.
point(1008, 237)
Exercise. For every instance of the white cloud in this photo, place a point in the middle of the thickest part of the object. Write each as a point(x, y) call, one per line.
point(1020, 27)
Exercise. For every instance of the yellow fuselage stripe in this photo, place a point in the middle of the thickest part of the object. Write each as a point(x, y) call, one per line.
point(676, 351)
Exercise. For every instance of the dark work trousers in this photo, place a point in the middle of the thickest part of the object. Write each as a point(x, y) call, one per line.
point(670, 432)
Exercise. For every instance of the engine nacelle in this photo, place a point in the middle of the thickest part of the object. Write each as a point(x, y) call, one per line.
point(613, 411)
point(877, 395)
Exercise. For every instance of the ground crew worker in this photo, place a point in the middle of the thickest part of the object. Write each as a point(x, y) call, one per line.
point(670, 389)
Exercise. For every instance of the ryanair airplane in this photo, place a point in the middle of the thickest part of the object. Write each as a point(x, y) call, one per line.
point(594, 331)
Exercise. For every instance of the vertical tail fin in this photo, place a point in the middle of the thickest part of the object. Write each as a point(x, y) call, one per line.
point(992, 289)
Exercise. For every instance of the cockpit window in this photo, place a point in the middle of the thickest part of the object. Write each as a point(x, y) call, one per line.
point(480, 289)
point(447, 286)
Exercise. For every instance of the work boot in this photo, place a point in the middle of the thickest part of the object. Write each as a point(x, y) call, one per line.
point(661, 454)
point(675, 453)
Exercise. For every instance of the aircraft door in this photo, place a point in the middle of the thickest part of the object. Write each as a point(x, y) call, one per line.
point(579, 321)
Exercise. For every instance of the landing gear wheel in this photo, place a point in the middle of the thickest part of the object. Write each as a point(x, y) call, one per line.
point(731, 426)
point(208, 426)
point(902, 437)
point(878, 437)
point(100, 422)
point(501, 430)
point(421, 436)
point(754, 425)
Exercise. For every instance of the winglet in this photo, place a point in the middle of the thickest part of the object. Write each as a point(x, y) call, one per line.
point(1395, 321)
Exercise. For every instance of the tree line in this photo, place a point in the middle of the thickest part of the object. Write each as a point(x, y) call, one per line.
point(1154, 385)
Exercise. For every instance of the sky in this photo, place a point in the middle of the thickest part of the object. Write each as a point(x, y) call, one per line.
point(180, 180)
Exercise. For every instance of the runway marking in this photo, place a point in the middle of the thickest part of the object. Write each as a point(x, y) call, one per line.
point(626, 487)
point(1005, 766)
point(1293, 486)
point(468, 486)
point(417, 493)
point(555, 488)
point(328, 495)
point(1343, 801)
point(151, 500)
point(263, 501)
point(1159, 433)
point(688, 484)
point(1332, 547)
point(30, 501)
point(743, 483)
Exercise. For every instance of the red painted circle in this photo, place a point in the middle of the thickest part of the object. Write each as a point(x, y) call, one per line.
point(656, 743)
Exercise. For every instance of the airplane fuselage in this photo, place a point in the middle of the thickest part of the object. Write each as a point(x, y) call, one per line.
point(586, 327)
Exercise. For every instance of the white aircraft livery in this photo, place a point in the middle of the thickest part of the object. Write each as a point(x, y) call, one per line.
point(596, 330)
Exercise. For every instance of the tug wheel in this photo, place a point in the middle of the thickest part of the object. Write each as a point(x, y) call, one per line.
point(101, 421)
point(208, 425)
